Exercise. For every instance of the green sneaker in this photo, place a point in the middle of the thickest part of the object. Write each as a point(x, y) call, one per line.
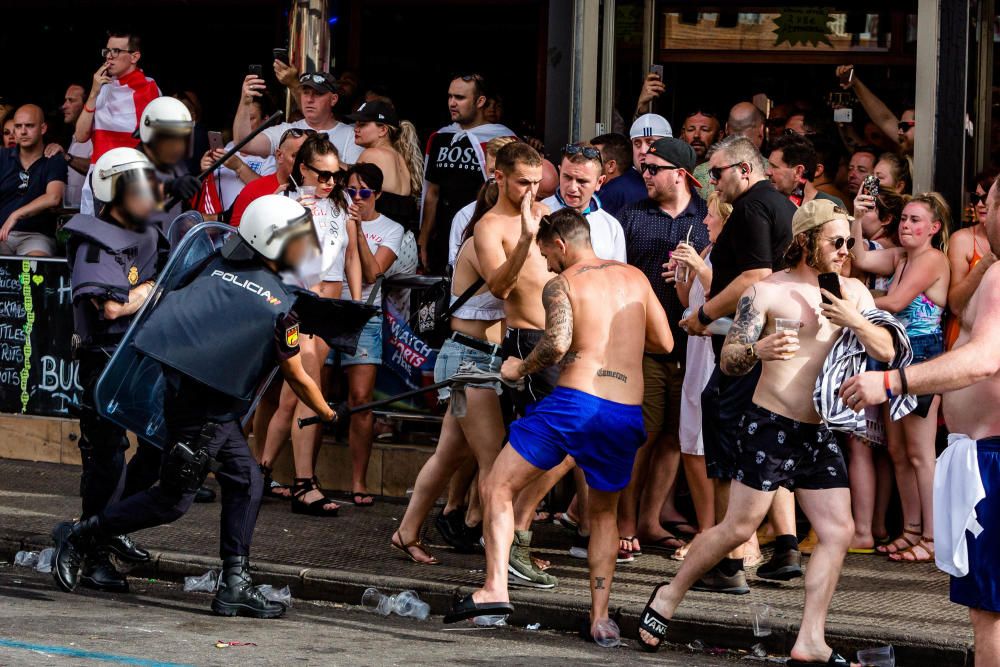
point(523, 571)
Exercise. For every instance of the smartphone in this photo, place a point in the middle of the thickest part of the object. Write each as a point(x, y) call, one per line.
point(257, 71)
point(215, 140)
point(280, 54)
point(843, 115)
point(657, 70)
point(870, 185)
point(764, 103)
point(847, 77)
point(831, 283)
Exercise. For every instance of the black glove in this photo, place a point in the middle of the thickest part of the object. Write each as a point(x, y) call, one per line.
point(183, 187)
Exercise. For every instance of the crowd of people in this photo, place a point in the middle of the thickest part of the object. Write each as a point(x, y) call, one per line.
point(713, 290)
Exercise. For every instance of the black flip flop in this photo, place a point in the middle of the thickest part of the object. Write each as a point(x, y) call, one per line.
point(658, 545)
point(362, 496)
point(467, 608)
point(654, 623)
point(835, 660)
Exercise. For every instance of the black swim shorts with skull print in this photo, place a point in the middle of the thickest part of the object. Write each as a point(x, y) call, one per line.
point(775, 451)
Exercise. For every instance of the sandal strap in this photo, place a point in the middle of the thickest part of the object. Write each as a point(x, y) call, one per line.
point(907, 531)
point(654, 623)
point(302, 486)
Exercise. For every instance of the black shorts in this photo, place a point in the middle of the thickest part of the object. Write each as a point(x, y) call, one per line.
point(519, 343)
point(723, 402)
point(775, 451)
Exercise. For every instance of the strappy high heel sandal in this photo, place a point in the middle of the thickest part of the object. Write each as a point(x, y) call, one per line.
point(304, 485)
point(272, 488)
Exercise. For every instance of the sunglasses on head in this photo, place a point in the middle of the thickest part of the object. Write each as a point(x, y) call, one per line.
point(839, 242)
point(589, 152)
point(363, 193)
point(322, 175)
point(295, 133)
point(315, 78)
point(716, 172)
point(976, 198)
point(654, 169)
point(905, 125)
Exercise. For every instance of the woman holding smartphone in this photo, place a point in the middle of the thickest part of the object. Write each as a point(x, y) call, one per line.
point(917, 295)
point(318, 187)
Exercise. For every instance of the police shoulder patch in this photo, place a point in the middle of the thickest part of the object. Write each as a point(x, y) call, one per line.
point(292, 335)
point(133, 276)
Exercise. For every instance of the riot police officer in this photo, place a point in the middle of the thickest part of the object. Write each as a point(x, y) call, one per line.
point(165, 134)
point(210, 382)
point(113, 258)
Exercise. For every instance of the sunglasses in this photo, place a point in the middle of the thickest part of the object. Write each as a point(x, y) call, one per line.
point(315, 78)
point(905, 125)
point(839, 242)
point(976, 198)
point(114, 53)
point(363, 193)
point(589, 152)
point(716, 172)
point(322, 175)
point(654, 169)
point(295, 133)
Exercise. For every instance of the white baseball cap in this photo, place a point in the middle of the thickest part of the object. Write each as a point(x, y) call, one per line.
point(650, 125)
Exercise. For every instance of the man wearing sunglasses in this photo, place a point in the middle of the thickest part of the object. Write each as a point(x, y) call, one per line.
point(318, 95)
point(899, 130)
point(118, 95)
point(783, 440)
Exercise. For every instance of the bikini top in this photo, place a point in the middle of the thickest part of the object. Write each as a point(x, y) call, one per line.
point(921, 316)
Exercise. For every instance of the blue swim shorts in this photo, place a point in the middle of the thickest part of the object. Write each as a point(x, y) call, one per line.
point(601, 435)
point(980, 588)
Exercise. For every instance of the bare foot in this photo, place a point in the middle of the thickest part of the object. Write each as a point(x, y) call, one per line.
point(481, 595)
point(818, 654)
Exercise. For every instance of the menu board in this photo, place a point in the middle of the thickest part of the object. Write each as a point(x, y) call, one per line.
point(37, 373)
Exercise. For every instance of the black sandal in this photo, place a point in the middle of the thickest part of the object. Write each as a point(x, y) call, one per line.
point(271, 487)
point(652, 622)
point(835, 660)
point(304, 485)
point(465, 608)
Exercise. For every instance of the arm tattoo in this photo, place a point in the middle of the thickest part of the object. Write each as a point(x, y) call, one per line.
point(605, 373)
point(746, 330)
point(599, 583)
point(569, 358)
point(558, 328)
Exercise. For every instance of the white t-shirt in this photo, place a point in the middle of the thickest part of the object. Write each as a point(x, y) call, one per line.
point(230, 185)
point(341, 135)
point(458, 226)
point(74, 180)
point(331, 227)
point(379, 232)
point(606, 233)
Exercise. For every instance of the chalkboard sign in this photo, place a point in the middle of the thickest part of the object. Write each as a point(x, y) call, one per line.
point(37, 373)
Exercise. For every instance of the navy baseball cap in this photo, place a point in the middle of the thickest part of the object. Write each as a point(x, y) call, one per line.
point(375, 112)
point(678, 153)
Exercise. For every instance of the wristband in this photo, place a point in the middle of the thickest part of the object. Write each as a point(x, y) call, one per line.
point(902, 381)
point(703, 317)
point(888, 389)
point(88, 109)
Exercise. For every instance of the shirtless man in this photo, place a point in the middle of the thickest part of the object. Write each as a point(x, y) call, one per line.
point(782, 441)
point(600, 316)
point(968, 378)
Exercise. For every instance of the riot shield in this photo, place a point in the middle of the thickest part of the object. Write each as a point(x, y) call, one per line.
point(130, 391)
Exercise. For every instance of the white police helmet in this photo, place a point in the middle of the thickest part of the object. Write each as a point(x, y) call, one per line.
point(165, 116)
point(270, 222)
point(116, 165)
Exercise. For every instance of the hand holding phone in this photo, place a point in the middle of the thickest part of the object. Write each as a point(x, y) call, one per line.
point(846, 75)
point(256, 70)
point(281, 55)
point(870, 185)
point(831, 283)
point(657, 70)
point(215, 141)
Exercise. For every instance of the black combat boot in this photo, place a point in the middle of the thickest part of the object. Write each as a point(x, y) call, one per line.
point(73, 542)
point(125, 548)
point(100, 574)
point(237, 596)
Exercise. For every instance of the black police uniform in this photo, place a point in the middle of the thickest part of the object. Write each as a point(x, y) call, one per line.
point(106, 261)
point(210, 382)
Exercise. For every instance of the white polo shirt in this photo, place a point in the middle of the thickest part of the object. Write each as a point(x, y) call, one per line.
point(606, 233)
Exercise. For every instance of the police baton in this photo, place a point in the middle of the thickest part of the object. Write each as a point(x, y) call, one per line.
point(310, 421)
point(271, 120)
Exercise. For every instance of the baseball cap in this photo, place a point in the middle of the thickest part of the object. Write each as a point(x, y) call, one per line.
point(817, 213)
point(321, 82)
point(678, 153)
point(375, 112)
point(650, 125)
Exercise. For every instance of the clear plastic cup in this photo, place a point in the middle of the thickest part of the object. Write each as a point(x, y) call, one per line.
point(306, 191)
point(881, 656)
point(760, 614)
point(373, 601)
point(785, 324)
point(408, 603)
point(606, 634)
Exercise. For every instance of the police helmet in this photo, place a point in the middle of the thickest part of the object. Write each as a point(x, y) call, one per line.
point(165, 116)
point(118, 165)
point(271, 221)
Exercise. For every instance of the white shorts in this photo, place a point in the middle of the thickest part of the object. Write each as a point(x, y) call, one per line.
point(23, 243)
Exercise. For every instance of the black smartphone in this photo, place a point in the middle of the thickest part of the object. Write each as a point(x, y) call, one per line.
point(280, 54)
point(870, 185)
point(257, 71)
point(215, 140)
point(831, 283)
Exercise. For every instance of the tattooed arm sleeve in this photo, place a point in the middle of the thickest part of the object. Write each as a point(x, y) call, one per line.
point(749, 322)
point(558, 328)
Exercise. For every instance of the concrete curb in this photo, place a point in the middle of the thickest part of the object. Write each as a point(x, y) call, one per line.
point(534, 606)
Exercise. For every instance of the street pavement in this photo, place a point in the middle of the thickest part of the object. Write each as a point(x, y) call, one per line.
point(877, 601)
point(159, 625)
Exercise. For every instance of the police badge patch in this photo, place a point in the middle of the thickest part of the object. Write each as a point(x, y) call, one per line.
point(292, 336)
point(133, 276)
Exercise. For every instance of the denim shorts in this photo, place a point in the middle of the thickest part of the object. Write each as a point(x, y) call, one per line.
point(926, 346)
point(369, 345)
point(453, 354)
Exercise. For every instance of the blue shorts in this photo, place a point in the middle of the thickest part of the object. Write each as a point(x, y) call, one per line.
point(369, 345)
point(603, 436)
point(980, 589)
point(926, 346)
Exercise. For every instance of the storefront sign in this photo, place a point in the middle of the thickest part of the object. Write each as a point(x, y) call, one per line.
point(803, 26)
